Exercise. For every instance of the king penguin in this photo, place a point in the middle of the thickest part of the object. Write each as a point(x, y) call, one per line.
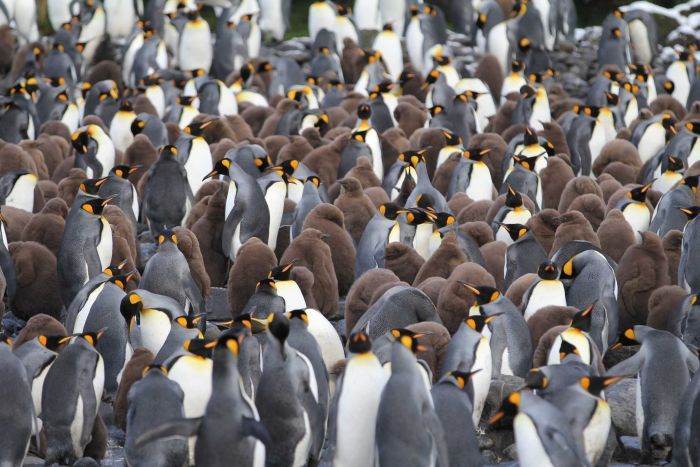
point(547, 290)
point(635, 210)
point(194, 154)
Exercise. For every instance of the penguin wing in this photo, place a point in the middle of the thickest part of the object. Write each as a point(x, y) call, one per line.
point(332, 426)
point(559, 447)
point(256, 429)
point(628, 367)
point(176, 428)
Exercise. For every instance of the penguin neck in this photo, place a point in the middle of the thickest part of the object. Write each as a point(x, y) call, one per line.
point(225, 373)
point(402, 360)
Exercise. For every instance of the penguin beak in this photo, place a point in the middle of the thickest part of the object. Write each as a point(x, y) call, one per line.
point(211, 174)
point(106, 201)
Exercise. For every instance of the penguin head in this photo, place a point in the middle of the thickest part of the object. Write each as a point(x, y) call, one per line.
point(515, 231)
point(53, 343)
point(197, 129)
point(693, 127)
point(616, 33)
point(413, 157)
point(414, 10)
point(517, 66)
point(81, 141)
point(137, 126)
point(566, 348)
point(481, 21)
point(612, 99)
point(264, 67)
point(220, 168)
point(62, 97)
point(278, 327)
point(283, 271)
point(323, 122)
point(451, 139)
point(691, 211)
point(618, 13)
point(123, 171)
point(460, 378)
point(364, 112)
point(626, 338)
point(691, 182)
point(519, 8)
point(268, 284)
point(389, 210)
point(287, 167)
point(405, 77)
point(96, 206)
point(169, 152)
point(384, 87)
point(168, 236)
point(91, 337)
point(596, 384)
point(536, 379)
point(408, 339)
point(92, 185)
point(529, 136)
point(120, 280)
point(417, 216)
point(513, 198)
point(425, 201)
point(442, 60)
point(478, 322)
point(639, 194)
point(299, 315)
point(548, 271)
point(130, 309)
point(155, 368)
point(359, 135)
point(185, 101)
point(199, 347)
point(444, 219)
point(524, 45)
point(675, 164)
point(230, 343)
point(431, 78)
point(360, 343)
point(476, 154)
point(509, 409)
point(115, 270)
point(583, 318)
point(526, 162)
point(343, 10)
point(483, 294)
point(350, 184)
point(436, 110)
point(669, 86)
point(126, 106)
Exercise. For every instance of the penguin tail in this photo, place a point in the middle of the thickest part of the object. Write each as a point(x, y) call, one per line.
point(176, 428)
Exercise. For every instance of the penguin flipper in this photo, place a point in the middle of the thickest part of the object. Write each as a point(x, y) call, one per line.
point(256, 429)
point(628, 367)
point(176, 428)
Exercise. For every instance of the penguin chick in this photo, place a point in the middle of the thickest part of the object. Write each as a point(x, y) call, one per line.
point(403, 260)
point(454, 300)
point(356, 206)
point(361, 292)
point(615, 235)
point(314, 253)
point(208, 229)
point(46, 227)
point(573, 226)
point(443, 261)
point(37, 281)
point(328, 219)
point(253, 262)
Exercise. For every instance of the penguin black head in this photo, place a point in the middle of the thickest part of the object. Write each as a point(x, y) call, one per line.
point(444, 219)
point(567, 348)
point(311, 79)
point(590, 110)
point(529, 136)
point(583, 318)
point(515, 231)
point(53, 342)
point(343, 10)
point(412, 157)
point(115, 270)
point(669, 86)
point(167, 235)
point(509, 409)
point(481, 21)
point(517, 66)
point(417, 216)
point(639, 194)
point(405, 77)
point(95, 206)
point(154, 367)
point(476, 154)
point(451, 139)
point(137, 126)
point(62, 96)
point(121, 280)
point(693, 127)
point(675, 164)
point(300, 315)
point(360, 343)
point(384, 87)
point(513, 198)
point(668, 122)
point(197, 129)
point(364, 112)
point(220, 168)
point(283, 271)
point(612, 99)
point(478, 322)
point(199, 347)
point(278, 325)
point(616, 33)
point(618, 13)
point(81, 141)
point(596, 384)
point(431, 78)
point(389, 210)
point(123, 171)
point(130, 309)
point(626, 338)
point(288, 166)
point(358, 135)
point(91, 337)
point(691, 211)
point(442, 60)
point(313, 179)
point(266, 284)
point(691, 182)
point(408, 339)
point(483, 294)
point(527, 162)
point(169, 152)
point(230, 342)
point(414, 10)
point(524, 45)
point(536, 379)
point(185, 100)
point(323, 122)
point(126, 106)
point(436, 110)
point(548, 271)
point(425, 201)
point(264, 67)
point(461, 378)
point(387, 27)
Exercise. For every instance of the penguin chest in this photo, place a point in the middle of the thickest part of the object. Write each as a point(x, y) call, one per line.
point(291, 293)
point(540, 110)
point(105, 154)
point(631, 111)
point(135, 202)
point(421, 241)
point(193, 374)
point(372, 140)
point(389, 44)
point(104, 246)
point(274, 197)
point(120, 130)
point(481, 380)
point(435, 242)
point(230, 198)
point(653, 140)
point(71, 117)
point(199, 163)
point(367, 14)
point(639, 409)
point(84, 313)
point(443, 155)
point(38, 388)
point(666, 181)
point(358, 403)
point(228, 105)
point(195, 48)
point(512, 83)
point(638, 217)
point(154, 327)
point(530, 448)
point(157, 97)
point(497, 44)
point(394, 233)
point(301, 451)
point(694, 155)
point(480, 184)
point(272, 20)
point(678, 73)
point(414, 43)
point(22, 194)
point(545, 293)
point(595, 435)
point(187, 114)
point(639, 38)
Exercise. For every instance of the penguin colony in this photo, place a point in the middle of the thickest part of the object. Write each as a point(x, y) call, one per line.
point(392, 243)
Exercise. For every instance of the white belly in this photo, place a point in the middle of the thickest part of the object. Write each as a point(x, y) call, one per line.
point(157, 97)
point(76, 427)
point(480, 185)
point(274, 197)
point(228, 105)
point(531, 452)
point(652, 141)
point(195, 49)
point(545, 293)
point(293, 298)
point(193, 374)
point(367, 14)
point(678, 73)
point(363, 382)
point(186, 116)
point(327, 338)
point(84, 312)
point(344, 29)
point(301, 451)
point(638, 217)
point(37, 389)
point(414, 43)
point(598, 140)
point(666, 181)
point(199, 164)
point(104, 248)
point(639, 411)
point(421, 241)
point(22, 194)
point(121, 16)
point(498, 46)
point(320, 16)
point(595, 435)
point(120, 130)
point(71, 117)
point(372, 140)
point(271, 18)
point(154, 327)
point(389, 44)
point(694, 155)
point(481, 380)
